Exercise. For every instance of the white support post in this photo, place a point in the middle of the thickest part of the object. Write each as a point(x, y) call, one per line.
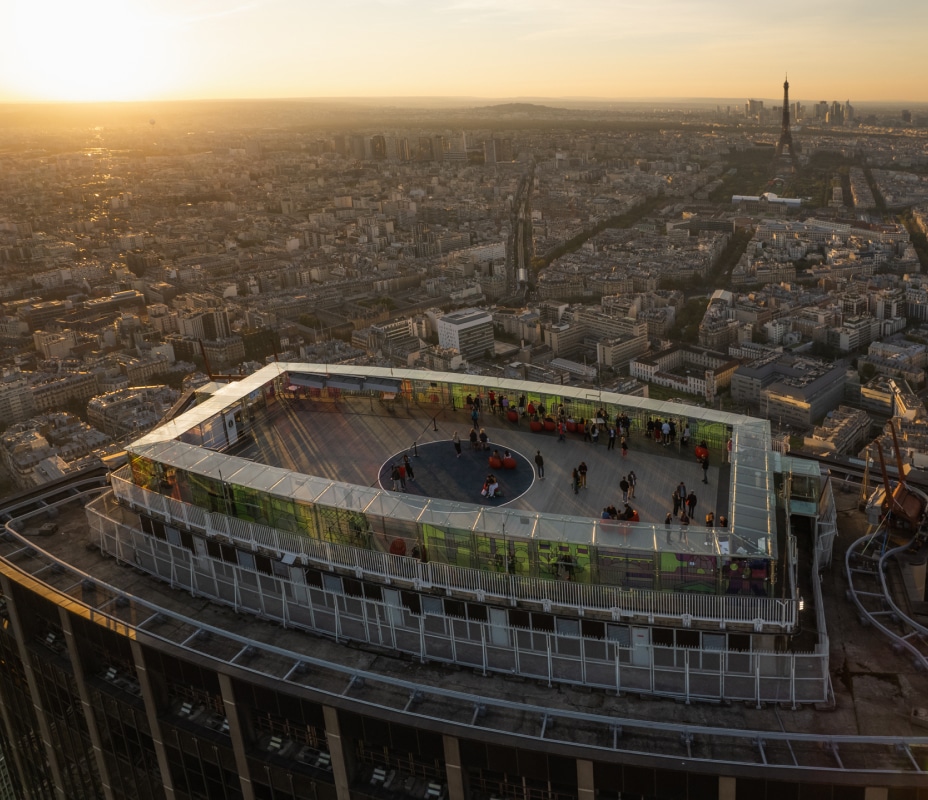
point(422, 638)
point(686, 675)
point(550, 659)
point(757, 683)
point(365, 621)
point(483, 646)
point(284, 604)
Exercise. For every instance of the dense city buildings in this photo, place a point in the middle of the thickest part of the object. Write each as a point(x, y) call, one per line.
point(218, 342)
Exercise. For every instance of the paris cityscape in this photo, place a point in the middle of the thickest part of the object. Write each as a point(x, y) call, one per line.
point(496, 431)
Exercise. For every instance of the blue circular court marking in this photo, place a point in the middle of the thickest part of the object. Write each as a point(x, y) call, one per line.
point(440, 473)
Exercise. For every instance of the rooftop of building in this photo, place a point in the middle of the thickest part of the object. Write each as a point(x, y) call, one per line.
point(550, 512)
point(875, 689)
point(466, 315)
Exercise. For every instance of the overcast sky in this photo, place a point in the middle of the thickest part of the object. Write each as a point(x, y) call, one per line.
point(608, 49)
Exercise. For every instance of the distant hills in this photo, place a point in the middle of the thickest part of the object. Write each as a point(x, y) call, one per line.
point(526, 109)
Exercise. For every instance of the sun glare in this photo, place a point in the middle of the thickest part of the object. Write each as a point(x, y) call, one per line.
point(93, 50)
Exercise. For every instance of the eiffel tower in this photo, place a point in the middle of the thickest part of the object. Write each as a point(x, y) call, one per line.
point(786, 137)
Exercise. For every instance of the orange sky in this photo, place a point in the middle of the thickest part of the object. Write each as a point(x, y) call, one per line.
point(184, 49)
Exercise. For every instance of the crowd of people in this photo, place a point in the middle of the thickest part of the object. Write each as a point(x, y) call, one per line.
point(664, 431)
point(615, 431)
point(627, 513)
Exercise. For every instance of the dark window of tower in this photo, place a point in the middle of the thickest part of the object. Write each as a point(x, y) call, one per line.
point(739, 641)
point(543, 622)
point(411, 601)
point(454, 608)
point(313, 577)
point(662, 637)
point(519, 618)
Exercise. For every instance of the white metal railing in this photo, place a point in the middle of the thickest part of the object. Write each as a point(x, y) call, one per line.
point(762, 612)
point(693, 673)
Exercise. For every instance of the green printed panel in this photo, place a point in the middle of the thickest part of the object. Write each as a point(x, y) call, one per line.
point(181, 489)
point(281, 513)
point(145, 472)
point(715, 434)
point(341, 526)
point(334, 525)
point(305, 517)
point(486, 552)
point(359, 529)
point(618, 569)
point(459, 395)
point(246, 504)
point(546, 560)
point(460, 548)
point(435, 543)
point(639, 573)
point(562, 560)
point(427, 393)
point(669, 562)
point(583, 558)
point(207, 493)
point(521, 561)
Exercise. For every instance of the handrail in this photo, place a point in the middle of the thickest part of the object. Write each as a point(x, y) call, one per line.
point(506, 588)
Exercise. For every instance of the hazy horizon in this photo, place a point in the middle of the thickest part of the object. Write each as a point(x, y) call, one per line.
point(468, 101)
point(586, 50)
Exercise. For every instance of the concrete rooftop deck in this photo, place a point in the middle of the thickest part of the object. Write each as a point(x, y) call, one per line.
point(355, 441)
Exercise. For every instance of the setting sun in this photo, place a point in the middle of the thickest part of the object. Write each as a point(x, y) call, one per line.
point(96, 50)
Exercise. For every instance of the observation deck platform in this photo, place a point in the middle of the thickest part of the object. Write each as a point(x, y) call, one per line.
point(355, 441)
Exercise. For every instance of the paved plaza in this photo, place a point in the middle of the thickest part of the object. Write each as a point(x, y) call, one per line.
point(357, 440)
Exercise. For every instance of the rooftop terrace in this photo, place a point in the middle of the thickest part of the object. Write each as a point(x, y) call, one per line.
point(869, 726)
